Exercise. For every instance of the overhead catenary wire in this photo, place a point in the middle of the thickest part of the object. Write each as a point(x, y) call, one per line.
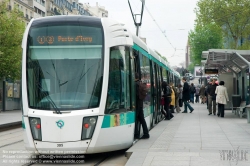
point(161, 30)
point(158, 26)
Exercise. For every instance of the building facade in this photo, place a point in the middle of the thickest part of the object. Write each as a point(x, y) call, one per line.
point(28, 11)
point(98, 11)
point(41, 8)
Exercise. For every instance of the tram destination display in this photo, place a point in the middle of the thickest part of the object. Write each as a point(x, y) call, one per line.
point(211, 71)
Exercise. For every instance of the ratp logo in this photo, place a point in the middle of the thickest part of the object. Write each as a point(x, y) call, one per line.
point(60, 123)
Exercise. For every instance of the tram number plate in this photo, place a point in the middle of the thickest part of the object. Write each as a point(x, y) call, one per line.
point(59, 145)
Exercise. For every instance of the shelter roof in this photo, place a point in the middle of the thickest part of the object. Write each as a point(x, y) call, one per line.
point(226, 60)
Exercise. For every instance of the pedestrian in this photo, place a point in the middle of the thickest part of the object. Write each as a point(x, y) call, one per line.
point(197, 94)
point(186, 96)
point(179, 99)
point(167, 100)
point(212, 97)
point(221, 98)
point(173, 97)
point(199, 81)
point(202, 94)
point(192, 92)
point(139, 109)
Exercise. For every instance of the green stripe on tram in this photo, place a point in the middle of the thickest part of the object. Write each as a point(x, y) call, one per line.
point(23, 124)
point(118, 119)
point(138, 48)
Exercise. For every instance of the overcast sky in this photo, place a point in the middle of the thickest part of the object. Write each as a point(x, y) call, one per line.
point(174, 17)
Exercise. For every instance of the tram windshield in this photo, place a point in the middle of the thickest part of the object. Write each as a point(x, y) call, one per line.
point(64, 67)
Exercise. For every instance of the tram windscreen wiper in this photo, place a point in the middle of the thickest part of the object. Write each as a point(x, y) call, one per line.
point(50, 100)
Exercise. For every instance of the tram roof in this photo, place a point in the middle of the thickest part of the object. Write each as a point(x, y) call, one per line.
point(151, 54)
point(226, 60)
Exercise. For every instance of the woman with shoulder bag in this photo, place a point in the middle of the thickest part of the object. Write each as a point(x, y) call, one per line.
point(221, 98)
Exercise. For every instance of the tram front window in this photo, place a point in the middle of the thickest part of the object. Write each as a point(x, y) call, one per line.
point(64, 67)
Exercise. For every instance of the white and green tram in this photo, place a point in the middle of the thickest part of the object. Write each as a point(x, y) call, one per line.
point(78, 91)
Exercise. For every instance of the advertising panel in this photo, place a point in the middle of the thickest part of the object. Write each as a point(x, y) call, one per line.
point(198, 71)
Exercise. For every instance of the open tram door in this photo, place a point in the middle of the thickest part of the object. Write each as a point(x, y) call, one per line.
point(154, 90)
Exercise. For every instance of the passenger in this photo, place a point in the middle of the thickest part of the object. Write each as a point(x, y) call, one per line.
point(167, 100)
point(202, 94)
point(197, 94)
point(221, 98)
point(139, 109)
point(186, 96)
point(179, 102)
point(212, 97)
point(173, 97)
point(192, 92)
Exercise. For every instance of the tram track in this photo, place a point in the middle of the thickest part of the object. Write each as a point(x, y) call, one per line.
point(10, 126)
point(11, 143)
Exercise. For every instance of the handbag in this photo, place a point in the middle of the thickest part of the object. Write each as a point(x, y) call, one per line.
point(162, 101)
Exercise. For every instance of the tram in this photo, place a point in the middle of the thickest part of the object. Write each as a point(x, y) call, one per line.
point(78, 90)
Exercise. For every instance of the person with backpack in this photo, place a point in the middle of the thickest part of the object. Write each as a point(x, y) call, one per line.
point(186, 96)
point(197, 94)
point(180, 89)
point(177, 102)
point(212, 97)
point(140, 96)
point(167, 100)
point(192, 92)
point(202, 94)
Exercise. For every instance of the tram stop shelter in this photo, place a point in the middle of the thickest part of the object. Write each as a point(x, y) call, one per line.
point(233, 68)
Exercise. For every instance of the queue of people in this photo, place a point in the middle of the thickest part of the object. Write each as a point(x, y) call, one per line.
point(213, 94)
point(173, 98)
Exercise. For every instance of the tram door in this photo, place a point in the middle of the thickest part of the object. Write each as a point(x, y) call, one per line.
point(154, 93)
point(160, 80)
point(158, 92)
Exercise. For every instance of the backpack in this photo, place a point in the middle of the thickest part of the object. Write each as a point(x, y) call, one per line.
point(169, 91)
point(142, 90)
point(175, 92)
point(193, 90)
point(197, 91)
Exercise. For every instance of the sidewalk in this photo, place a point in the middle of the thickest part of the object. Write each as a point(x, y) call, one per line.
point(12, 117)
point(195, 139)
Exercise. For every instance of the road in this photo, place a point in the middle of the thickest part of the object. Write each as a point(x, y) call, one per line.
point(12, 152)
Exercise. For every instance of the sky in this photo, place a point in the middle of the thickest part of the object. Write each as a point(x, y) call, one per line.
point(165, 23)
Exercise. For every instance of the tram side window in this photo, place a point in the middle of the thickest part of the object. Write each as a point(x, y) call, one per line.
point(118, 97)
point(164, 75)
point(145, 77)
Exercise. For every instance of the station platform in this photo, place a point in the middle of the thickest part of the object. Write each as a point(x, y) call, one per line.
point(195, 139)
point(9, 118)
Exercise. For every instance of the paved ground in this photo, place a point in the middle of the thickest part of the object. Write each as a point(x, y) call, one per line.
point(7, 117)
point(195, 139)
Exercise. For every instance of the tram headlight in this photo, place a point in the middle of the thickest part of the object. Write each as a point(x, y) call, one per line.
point(35, 126)
point(92, 121)
point(88, 127)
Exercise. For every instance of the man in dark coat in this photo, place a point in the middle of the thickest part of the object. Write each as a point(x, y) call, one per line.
point(186, 96)
point(140, 114)
point(212, 97)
